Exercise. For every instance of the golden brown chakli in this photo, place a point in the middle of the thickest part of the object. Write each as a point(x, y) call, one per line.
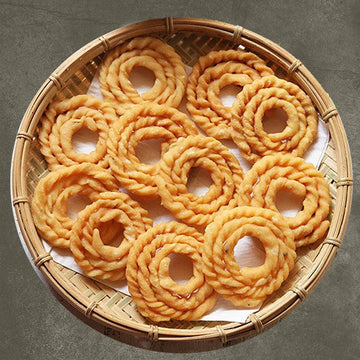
point(248, 111)
point(63, 119)
point(50, 201)
point(89, 245)
point(285, 171)
point(174, 167)
point(209, 75)
point(247, 286)
point(141, 123)
point(156, 295)
point(148, 52)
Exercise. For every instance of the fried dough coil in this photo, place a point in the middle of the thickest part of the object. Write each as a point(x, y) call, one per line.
point(148, 52)
point(247, 286)
point(209, 75)
point(285, 171)
point(87, 244)
point(63, 119)
point(175, 165)
point(144, 122)
point(49, 202)
point(156, 295)
point(266, 94)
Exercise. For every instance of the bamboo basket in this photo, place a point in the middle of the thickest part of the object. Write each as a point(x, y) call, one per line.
point(113, 313)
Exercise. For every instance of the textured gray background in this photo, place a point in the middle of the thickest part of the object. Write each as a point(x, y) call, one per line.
point(36, 36)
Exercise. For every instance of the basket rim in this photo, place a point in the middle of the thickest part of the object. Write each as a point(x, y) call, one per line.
point(253, 42)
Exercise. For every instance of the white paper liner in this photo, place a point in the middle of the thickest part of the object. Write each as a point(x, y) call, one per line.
point(247, 252)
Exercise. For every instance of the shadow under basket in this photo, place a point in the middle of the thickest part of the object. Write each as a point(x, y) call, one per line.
point(114, 313)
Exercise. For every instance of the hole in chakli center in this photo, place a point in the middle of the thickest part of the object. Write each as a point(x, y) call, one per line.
point(228, 94)
point(149, 151)
point(288, 203)
point(274, 120)
point(142, 79)
point(84, 141)
point(111, 233)
point(249, 251)
point(199, 181)
point(180, 268)
point(75, 204)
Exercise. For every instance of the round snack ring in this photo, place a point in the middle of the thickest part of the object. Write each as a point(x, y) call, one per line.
point(156, 295)
point(214, 71)
point(148, 52)
point(143, 122)
point(247, 286)
point(49, 202)
point(210, 154)
point(285, 171)
point(248, 111)
point(87, 244)
point(63, 119)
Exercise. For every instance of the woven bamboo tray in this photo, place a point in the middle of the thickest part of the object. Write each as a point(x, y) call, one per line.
point(114, 313)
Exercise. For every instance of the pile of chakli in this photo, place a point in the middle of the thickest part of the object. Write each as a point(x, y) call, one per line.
point(155, 208)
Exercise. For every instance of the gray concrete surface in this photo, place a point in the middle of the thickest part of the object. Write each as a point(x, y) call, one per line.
point(36, 36)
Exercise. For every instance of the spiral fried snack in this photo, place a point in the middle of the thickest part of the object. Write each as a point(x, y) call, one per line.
point(285, 171)
point(248, 111)
point(247, 286)
point(211, 155)
point(63, 119)
point(148, 52)
point(143, 122)
point(49, 203)
point(214, 71)
point(156, 295)
point(91, 251)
